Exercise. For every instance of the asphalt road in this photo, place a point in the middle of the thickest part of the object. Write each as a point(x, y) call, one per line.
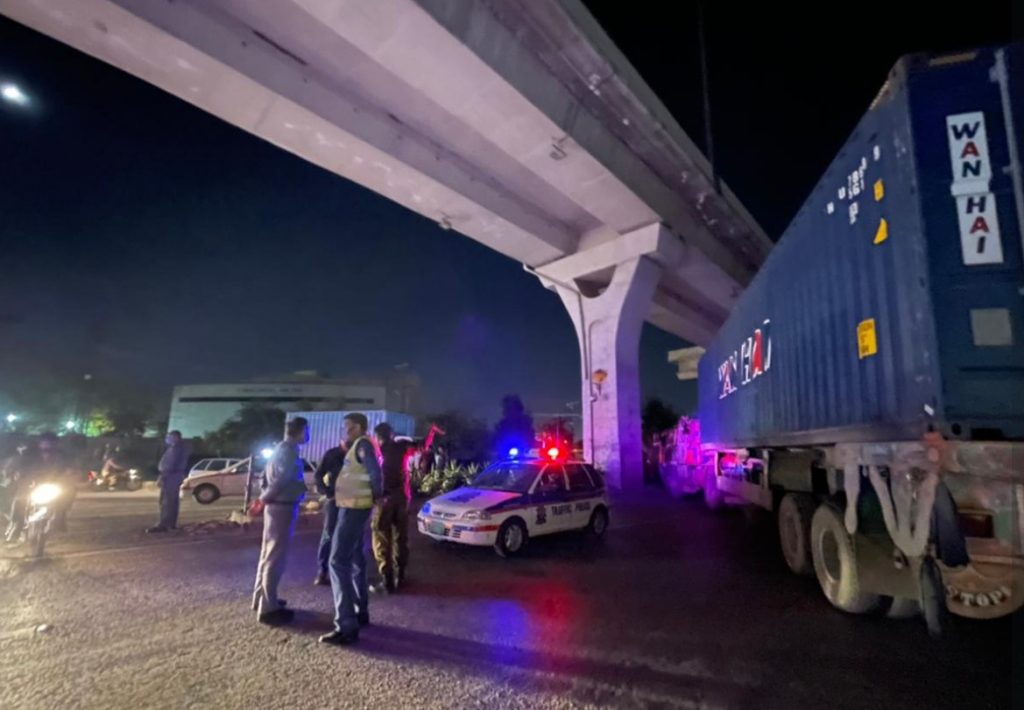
point(678, 607)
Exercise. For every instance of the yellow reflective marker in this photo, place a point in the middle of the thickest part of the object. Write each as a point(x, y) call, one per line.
point(883, 232)
point(867, 341)
point(879, 190)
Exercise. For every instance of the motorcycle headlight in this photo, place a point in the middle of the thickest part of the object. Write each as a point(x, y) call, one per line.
point(476, 515)
point(45, 494)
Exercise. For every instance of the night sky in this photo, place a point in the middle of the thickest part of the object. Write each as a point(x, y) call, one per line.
point(150, 244)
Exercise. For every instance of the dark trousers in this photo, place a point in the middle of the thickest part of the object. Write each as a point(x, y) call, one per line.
point(348, 569)
point(330, 522)
point(169, 500)
point(390, 529)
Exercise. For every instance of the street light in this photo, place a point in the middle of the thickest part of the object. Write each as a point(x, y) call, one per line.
point(12, 93)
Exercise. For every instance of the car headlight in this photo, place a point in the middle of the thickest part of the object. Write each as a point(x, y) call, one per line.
point(45, 494)
point(476, 515)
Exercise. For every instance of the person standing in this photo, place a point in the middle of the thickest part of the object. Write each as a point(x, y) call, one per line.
point(326, 475)
point(173, 468)
point(283, 488)
point(390, 522)
point(357, 488)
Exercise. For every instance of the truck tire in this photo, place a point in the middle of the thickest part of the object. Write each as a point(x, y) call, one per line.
point(835, 563)
point(795, 513)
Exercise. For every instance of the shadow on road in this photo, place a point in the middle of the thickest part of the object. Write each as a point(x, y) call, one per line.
point(587, 679)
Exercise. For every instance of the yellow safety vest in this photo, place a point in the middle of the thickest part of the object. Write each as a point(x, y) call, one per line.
point(352, 489)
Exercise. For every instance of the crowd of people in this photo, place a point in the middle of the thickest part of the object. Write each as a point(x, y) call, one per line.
point(366, 483)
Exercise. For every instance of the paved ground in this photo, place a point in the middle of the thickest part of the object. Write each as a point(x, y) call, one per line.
point(678, 608)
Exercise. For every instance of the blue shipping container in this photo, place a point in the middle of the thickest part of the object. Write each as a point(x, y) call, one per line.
point(893, 305)
point(326, 429)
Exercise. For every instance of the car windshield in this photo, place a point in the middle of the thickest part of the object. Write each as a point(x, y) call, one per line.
point(514, 477)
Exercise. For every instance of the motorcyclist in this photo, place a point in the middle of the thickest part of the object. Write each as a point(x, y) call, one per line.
point(113, 468)
point(46, 462)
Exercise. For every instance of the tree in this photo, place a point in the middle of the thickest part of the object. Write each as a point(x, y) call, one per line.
point(127, 421)
point(253, 426)
point(658, 417)
point(515, 430)
point(97, 423)
point(558, 430)
point(466, 440)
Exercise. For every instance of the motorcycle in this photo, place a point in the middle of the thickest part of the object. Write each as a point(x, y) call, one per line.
point(129, 479)
point(43, 500)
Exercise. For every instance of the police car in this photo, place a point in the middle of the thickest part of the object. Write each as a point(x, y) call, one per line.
point(514, 500)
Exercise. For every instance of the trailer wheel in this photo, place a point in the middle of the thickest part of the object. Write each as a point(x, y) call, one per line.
point(795, 513)
point(835, 563)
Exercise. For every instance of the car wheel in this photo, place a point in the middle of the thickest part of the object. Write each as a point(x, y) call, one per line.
point(206, 494)
point(512, 537)
point(598, 524)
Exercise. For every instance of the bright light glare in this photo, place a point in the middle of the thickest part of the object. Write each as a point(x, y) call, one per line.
point(513, 452)
point(14, 94)
point(267, 453)
point(45, 494)
point(553, 453)
point(11, 418)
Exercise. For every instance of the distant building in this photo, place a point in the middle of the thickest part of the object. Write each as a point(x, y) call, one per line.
point(197, 410)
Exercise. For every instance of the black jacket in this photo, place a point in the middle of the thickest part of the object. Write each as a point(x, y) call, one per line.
point(330, 466)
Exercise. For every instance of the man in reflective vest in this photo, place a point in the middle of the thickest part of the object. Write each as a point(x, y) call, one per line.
point(356, 489)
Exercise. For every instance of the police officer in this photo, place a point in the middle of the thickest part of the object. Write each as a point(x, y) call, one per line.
point(390, 522)
point(357, 488)
point(173, 468)
point(283, 489)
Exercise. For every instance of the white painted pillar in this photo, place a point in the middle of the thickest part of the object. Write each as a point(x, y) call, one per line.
point(608, 329)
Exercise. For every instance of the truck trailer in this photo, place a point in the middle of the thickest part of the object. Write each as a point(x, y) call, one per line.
point(868, 386)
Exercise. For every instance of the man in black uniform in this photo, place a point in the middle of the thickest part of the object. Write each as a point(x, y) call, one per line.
point(326, 476)
point(390, 522)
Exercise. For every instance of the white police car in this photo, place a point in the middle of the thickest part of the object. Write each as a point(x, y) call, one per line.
point(514, 500)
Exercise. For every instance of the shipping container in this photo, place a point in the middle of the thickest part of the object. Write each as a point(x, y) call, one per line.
point(893, 305)
point(327, 429)
point(868, 387)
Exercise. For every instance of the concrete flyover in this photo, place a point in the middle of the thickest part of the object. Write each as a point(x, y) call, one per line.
point(516, 123)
